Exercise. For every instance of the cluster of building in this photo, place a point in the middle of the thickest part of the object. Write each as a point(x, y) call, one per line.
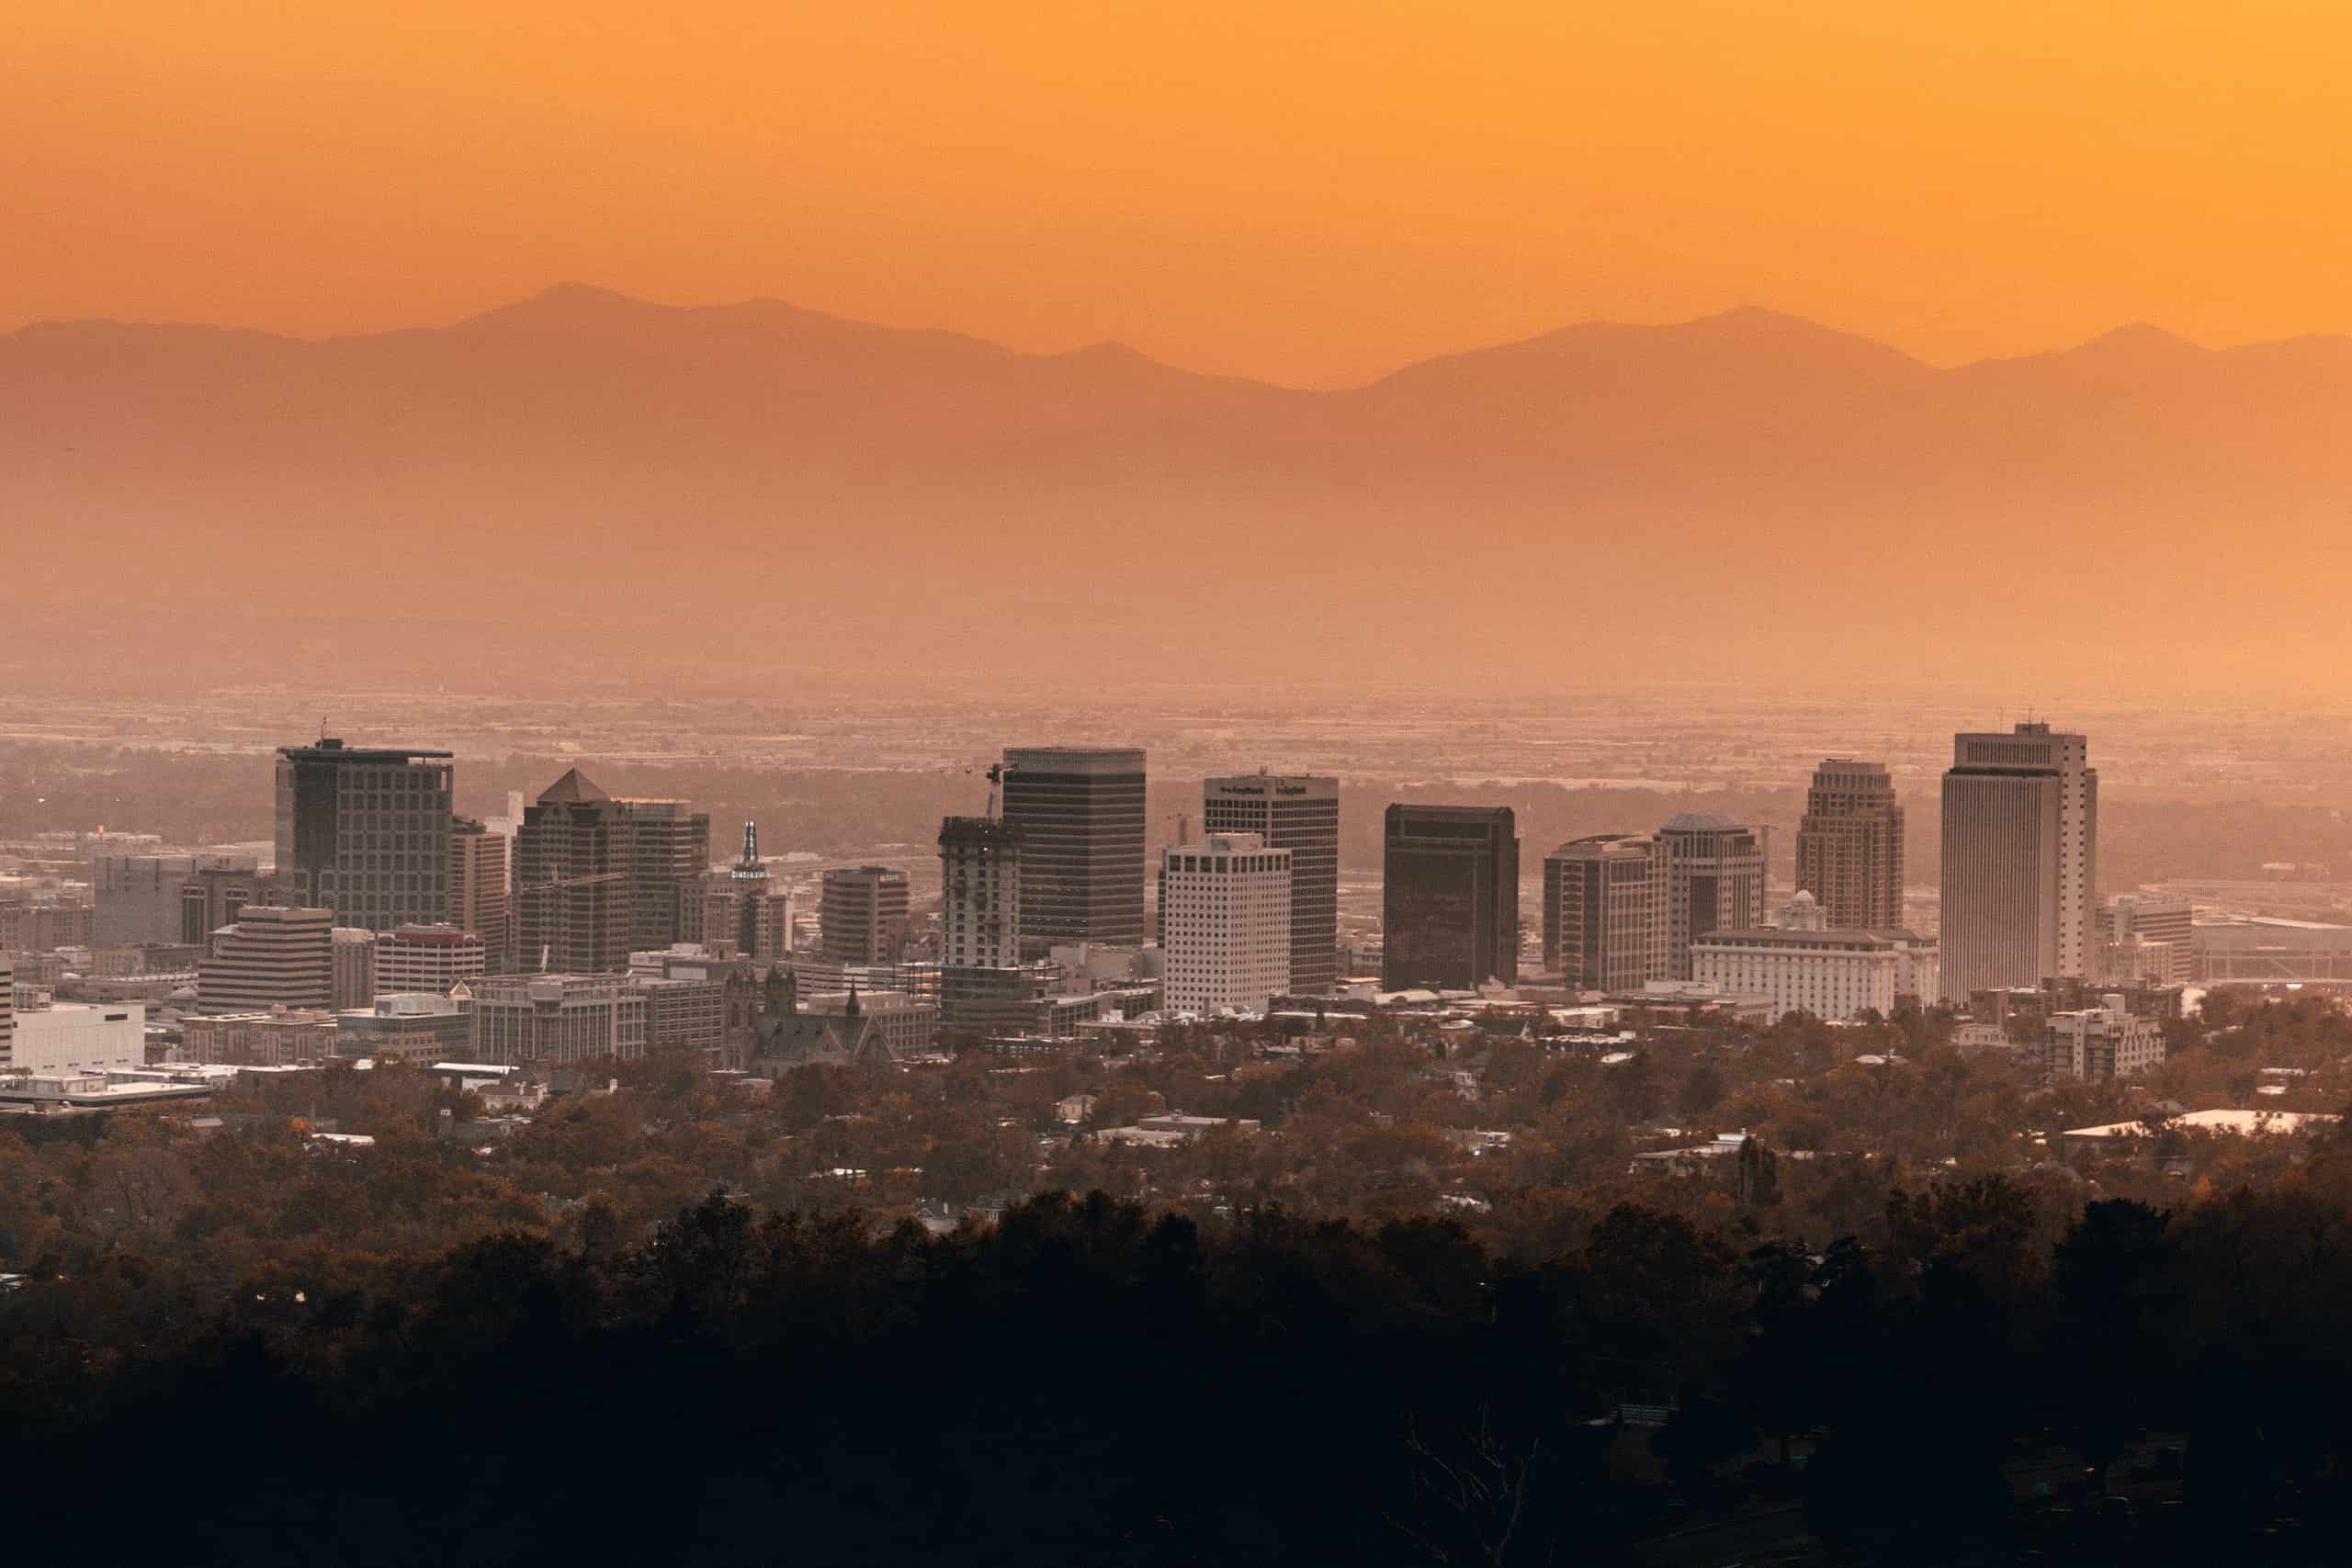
point(590, 925)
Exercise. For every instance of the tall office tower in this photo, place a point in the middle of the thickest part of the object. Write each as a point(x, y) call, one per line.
point(217, 887)
point(429, 959)
point(1849, 845)
point(1225, 923)
point(1449, 897)
point(2020, 860)
point(596, 877)
point(980, 893)
point(668, 843)
point(1300, 814)
point(741, 905)
point(272, 955)
point(1080, 816)
point(354, 955)
point(863, 918)
point(478, 888)
point(2148, 936)
point(7, 1011)
point(1606, 920)
point(1714, 881)
point(365, 833)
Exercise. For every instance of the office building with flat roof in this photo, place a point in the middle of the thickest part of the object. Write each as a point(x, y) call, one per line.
point(271, 957)
point(2020, 860)
point(1225, 924)
point(1081, 814)
point(862, 916)
point(1449, 897)
point(363, 832)
point(1299, 813)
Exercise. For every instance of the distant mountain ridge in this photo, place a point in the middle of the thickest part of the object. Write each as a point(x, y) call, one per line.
point(1781, 489)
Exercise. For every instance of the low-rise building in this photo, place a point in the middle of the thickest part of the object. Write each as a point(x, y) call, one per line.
point(282, 1037)
point(1807, 967)
point(405, 1026)
point(561, 1018)
point(78, 1037)
point(2104, 1042)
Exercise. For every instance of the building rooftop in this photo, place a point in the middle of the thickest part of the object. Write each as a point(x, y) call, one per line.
point(574, 786)
point(2242, 1122)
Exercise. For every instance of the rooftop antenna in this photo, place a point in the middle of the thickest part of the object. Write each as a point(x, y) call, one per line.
point(996, 776)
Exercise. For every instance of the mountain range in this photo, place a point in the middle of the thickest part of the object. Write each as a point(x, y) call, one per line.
point(762, 488)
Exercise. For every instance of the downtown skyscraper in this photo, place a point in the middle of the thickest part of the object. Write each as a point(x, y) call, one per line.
point(2020, 860)
point(1080, 816)
point(597, 877)
point(1449, 897)
point(1849, 845)
point(365, 833)
point(1301, 814)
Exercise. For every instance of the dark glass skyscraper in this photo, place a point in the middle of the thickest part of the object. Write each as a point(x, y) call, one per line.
point(1449, 897)
point(365, 833)
point(1079, 813)
point(1300, 814)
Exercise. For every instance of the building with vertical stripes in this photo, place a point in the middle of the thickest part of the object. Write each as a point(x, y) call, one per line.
point(1301, 814)
point(1080, 816)
point(2020, 860)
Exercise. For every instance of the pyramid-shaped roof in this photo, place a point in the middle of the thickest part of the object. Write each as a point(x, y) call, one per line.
point(574, 786)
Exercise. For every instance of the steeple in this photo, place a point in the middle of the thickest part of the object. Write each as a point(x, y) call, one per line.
point(850, 1008)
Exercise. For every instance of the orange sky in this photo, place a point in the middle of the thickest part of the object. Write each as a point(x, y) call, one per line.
point(1312, 191)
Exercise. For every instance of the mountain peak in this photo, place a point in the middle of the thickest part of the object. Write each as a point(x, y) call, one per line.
point(2138, 340)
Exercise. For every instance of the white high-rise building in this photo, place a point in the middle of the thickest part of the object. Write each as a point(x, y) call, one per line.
point(1225, 927)
point(2020, 860)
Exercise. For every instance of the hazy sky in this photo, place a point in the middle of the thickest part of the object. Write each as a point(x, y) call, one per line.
point(1310, 191)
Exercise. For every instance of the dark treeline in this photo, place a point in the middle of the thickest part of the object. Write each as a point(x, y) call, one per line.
point(1086, 1381)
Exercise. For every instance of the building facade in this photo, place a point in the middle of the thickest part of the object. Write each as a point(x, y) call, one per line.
point(271, 957)
point(477, 900)
point(353, 953)
point(1080, 816)
point(2021, 859)
point(1449, 897)
point(67, 1037)
point(1299, 813)
point(406, 1026)
point(2148, 936)
point(281, 1037)
point(1605, 917)
point(981, 874)
point(596, 877)
point(862, 915)
point(1849, 845)
point(365, 833)
point(559, 1019)
point(2104, 1042)
point(1804, 964)
point(1225, 925)
point(429, 958)
point(1713, 870)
